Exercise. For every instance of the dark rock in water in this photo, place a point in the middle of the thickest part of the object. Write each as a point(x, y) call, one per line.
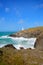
point(30, 48)
point(1, 53)
point(13, 35)
point(39, 42)
point(21, 48)
point(10, 46)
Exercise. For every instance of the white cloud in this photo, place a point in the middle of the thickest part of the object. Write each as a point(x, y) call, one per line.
point(3, 19)
point(7, 9)
point(15, 8)
point(38, 6)
point(41, 5)
point(36, 23)
point(17, 11)
point(21, 21)
point(1, 4)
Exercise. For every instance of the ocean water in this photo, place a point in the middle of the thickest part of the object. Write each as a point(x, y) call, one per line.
point(17, 42)
point(6, 33)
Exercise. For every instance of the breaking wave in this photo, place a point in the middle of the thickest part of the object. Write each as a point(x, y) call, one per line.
point(17, 42)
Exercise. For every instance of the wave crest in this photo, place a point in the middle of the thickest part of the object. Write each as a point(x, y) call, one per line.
point(20, 42)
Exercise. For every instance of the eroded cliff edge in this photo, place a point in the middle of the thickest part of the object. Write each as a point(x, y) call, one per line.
point(9, 55)
point(32, 32)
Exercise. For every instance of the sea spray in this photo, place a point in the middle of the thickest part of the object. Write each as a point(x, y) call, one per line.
point(18, 42)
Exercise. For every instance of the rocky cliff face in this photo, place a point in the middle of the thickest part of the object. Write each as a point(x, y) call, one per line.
point(39, 42)
point(33, 32)
point(10, 56)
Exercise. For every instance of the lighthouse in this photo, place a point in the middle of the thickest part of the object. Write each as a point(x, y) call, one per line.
point(22, 28)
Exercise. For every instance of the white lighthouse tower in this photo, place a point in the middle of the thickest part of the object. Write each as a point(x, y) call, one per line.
point(22, 28)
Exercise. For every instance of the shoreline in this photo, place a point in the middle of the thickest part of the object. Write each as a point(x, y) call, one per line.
point(20, 42)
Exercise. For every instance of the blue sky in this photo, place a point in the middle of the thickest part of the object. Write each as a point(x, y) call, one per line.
point(15, 14)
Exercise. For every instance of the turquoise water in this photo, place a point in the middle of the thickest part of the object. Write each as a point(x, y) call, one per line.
point(6, 40)
point(6, 33)
point(17, 42)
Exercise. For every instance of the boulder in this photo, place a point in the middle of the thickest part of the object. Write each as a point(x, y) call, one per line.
point(39, 42)
point(21, 48)
point(10, 46)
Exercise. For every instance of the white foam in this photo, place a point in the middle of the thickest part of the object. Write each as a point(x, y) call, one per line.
point(2, 45)
point(29, 42)
point(3, 37)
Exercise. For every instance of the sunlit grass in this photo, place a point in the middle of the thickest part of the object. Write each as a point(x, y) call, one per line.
point(21, 57)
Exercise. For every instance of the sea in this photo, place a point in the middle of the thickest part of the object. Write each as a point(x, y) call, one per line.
point(17, 42)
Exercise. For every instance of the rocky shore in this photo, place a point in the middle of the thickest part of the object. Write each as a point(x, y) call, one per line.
point(9, 55)
point(31, 33)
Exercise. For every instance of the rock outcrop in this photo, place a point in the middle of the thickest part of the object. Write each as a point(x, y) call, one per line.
point(10, 46)
point(9, 56)
point(21, 48)
point(39, 42)
point(33, 32)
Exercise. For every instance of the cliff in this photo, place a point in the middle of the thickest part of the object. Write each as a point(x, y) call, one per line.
point(9, 55)
point(39, 42)
point(32, 32)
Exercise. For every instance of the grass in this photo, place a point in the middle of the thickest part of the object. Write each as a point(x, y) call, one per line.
point(33, 29)
point(21, 57)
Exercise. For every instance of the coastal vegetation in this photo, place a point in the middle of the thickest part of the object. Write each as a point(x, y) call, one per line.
point(9, 55)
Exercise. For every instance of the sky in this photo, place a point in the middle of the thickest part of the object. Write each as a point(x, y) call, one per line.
point(18, 14)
